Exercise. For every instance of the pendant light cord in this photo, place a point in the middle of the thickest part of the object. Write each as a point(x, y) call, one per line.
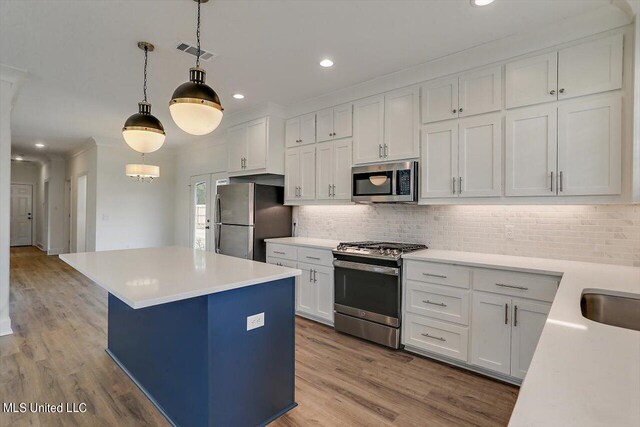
point(144, 86)
point(198, 37)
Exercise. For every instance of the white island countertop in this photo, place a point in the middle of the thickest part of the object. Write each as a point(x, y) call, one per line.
point(583, 373)
point(152, 276)
point(309, 242)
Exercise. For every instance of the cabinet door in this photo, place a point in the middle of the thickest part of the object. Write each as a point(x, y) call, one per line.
point(292, 132)
point(291, 173)
point(342, 152)
point(306, 296)
point(531, 151)
point(480, 91)
point(439, 160)
point(324, 125)
point(528, 320)
point(590, 67)
point(237, 146)
point(532, 80)
point(256, 145)
point(368, 129)
point(440, 100)
point(324, 170)
point(307, 173)
point(401, 124)
point(480, 156)
point(343, 121)
point(589, 146)
point(491, 332)
point(308, 129)
point(323, 283)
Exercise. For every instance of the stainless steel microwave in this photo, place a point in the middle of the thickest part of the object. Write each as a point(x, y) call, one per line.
point(385, 183)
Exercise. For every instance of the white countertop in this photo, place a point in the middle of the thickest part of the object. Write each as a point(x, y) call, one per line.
point(309, 242)
point(583, 373)
point(153, 276)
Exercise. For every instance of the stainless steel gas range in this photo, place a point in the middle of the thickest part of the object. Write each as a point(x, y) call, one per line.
point(368, 289)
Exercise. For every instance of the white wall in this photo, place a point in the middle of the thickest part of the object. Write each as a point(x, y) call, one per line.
point(83, 161)
point(52, 237)
point(29, 173)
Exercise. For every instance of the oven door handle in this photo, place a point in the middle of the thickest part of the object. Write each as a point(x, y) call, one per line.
point(367, 267)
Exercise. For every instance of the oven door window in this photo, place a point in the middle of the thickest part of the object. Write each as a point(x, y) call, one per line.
point(369, 291)
point(373, 184)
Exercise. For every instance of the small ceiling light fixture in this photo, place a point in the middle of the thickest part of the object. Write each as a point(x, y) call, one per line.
point(326, 63)
point(481, 2)
point(238, 96)
point(142, 131)
point(142, 172)
point(194, 106)
point(39, 145)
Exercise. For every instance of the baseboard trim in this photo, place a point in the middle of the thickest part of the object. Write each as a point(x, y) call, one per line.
point(55, 251)
point(5, 327)
point(40, 246)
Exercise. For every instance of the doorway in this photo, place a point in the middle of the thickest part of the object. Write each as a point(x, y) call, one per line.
point(21, 215)
point(81, 214)
point(202, 194)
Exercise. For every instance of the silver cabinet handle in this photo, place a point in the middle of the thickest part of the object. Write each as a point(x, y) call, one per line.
point(313, 257)
point(310, 276)
point(506, 314)
point(460, 185)
point(441, 304)
point(504, 285)
point(454, 185)
point(278, 252)
point(329, 190)
point(460, 109)
point(455, 111)
point(434, 337)
point(552, 92)
point(551, 189)
point(561, 90)
point(561, 189)
point(386, 150)
point(380, 150)
point(441, 276)
point(333, 190)
point(515, 316)
point(315, 276)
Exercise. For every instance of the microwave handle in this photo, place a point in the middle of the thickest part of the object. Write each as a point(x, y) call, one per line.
point(394, 182)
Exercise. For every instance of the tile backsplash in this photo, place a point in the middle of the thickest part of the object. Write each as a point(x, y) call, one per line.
point(603, 233)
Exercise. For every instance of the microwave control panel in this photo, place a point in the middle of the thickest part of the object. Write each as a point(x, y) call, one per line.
point(404, 182)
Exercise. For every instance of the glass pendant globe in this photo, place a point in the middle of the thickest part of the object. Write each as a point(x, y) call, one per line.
point(143, 141)
point(195, 118)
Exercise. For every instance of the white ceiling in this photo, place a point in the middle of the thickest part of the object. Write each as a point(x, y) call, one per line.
point(85, 71)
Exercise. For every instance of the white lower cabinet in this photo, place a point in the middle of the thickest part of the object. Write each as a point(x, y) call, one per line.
point(528, 320)
point(491, 332)
point(438, 337)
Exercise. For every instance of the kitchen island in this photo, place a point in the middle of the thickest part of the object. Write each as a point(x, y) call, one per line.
point(208, 338)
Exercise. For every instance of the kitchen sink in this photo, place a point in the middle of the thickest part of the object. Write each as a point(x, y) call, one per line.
point(621, 310)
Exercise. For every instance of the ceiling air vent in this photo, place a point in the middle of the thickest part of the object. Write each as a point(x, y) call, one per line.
point(193, 50)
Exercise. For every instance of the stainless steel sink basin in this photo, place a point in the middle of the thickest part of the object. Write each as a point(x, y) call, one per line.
point(621, 310)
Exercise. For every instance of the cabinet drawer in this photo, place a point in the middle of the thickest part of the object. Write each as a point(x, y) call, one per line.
point(438, 337)
point(440, 302)
point(525, 285)
point(277, 250)
point(316, 256)
point(281, 261)
point(440, 274)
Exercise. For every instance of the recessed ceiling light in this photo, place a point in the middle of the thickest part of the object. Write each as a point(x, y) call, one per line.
point(19, 158)
point(326, 63)
point(39, 145)
point(481, 2)
point(238, 96)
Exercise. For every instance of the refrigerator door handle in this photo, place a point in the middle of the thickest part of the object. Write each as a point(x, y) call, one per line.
point(218, 212)
point(218, 235)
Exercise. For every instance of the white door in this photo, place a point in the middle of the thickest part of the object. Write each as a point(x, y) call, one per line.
point(532, 80)
point(200, 224)
point(21, 214)
point(308, 128)
point(324, 170)
point(491, 332)
point(342, 154)
point(401, 124)
point(480, 91)
point(343, 121)
point(306, 297)
point(81, 213)
point(324, 125)
point(439, 161)
point(292, 132)
point(480, 156)
point(531, 151)
point(307, 184)
point(528, 320)
point(291, 173)
point(590, 67)
point(589, 146)
point(256, 155)
point(440, 100)
point(368, 129)
point(237, 146)
point(323, 284)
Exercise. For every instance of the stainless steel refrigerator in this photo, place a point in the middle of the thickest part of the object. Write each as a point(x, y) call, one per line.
point(246, 214)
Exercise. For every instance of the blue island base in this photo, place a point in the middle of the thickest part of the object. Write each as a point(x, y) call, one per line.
point(197, 362)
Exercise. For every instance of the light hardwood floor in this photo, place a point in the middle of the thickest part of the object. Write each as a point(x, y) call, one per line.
point(56, 354)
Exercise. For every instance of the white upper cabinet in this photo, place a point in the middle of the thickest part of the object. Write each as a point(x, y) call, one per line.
point(333, 170)
point(531, 151)
point(300, 130)
point(256, 157)
point(440, 100)
point(401, 124)
point(590, 67)
point(300, 174)
point(324, 170)
point(291, 174)
point(256, 147)
point(532, 80)
point(439, 161)
point(480, 156)
point(237, 148)
point(368, 130)
point(334, 123)
point(589, 146)
point(480, 91)
point(324, 125)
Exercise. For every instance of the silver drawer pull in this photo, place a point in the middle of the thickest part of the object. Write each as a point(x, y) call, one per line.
point(441, 276)
point(502, 285)
point(278, 252)
point(313, 257)
point(435, 338)
point(441, 304)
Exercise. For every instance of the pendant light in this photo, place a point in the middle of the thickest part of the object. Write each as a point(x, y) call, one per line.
point(142, 131)
point(194, 106)
point(142, 172)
